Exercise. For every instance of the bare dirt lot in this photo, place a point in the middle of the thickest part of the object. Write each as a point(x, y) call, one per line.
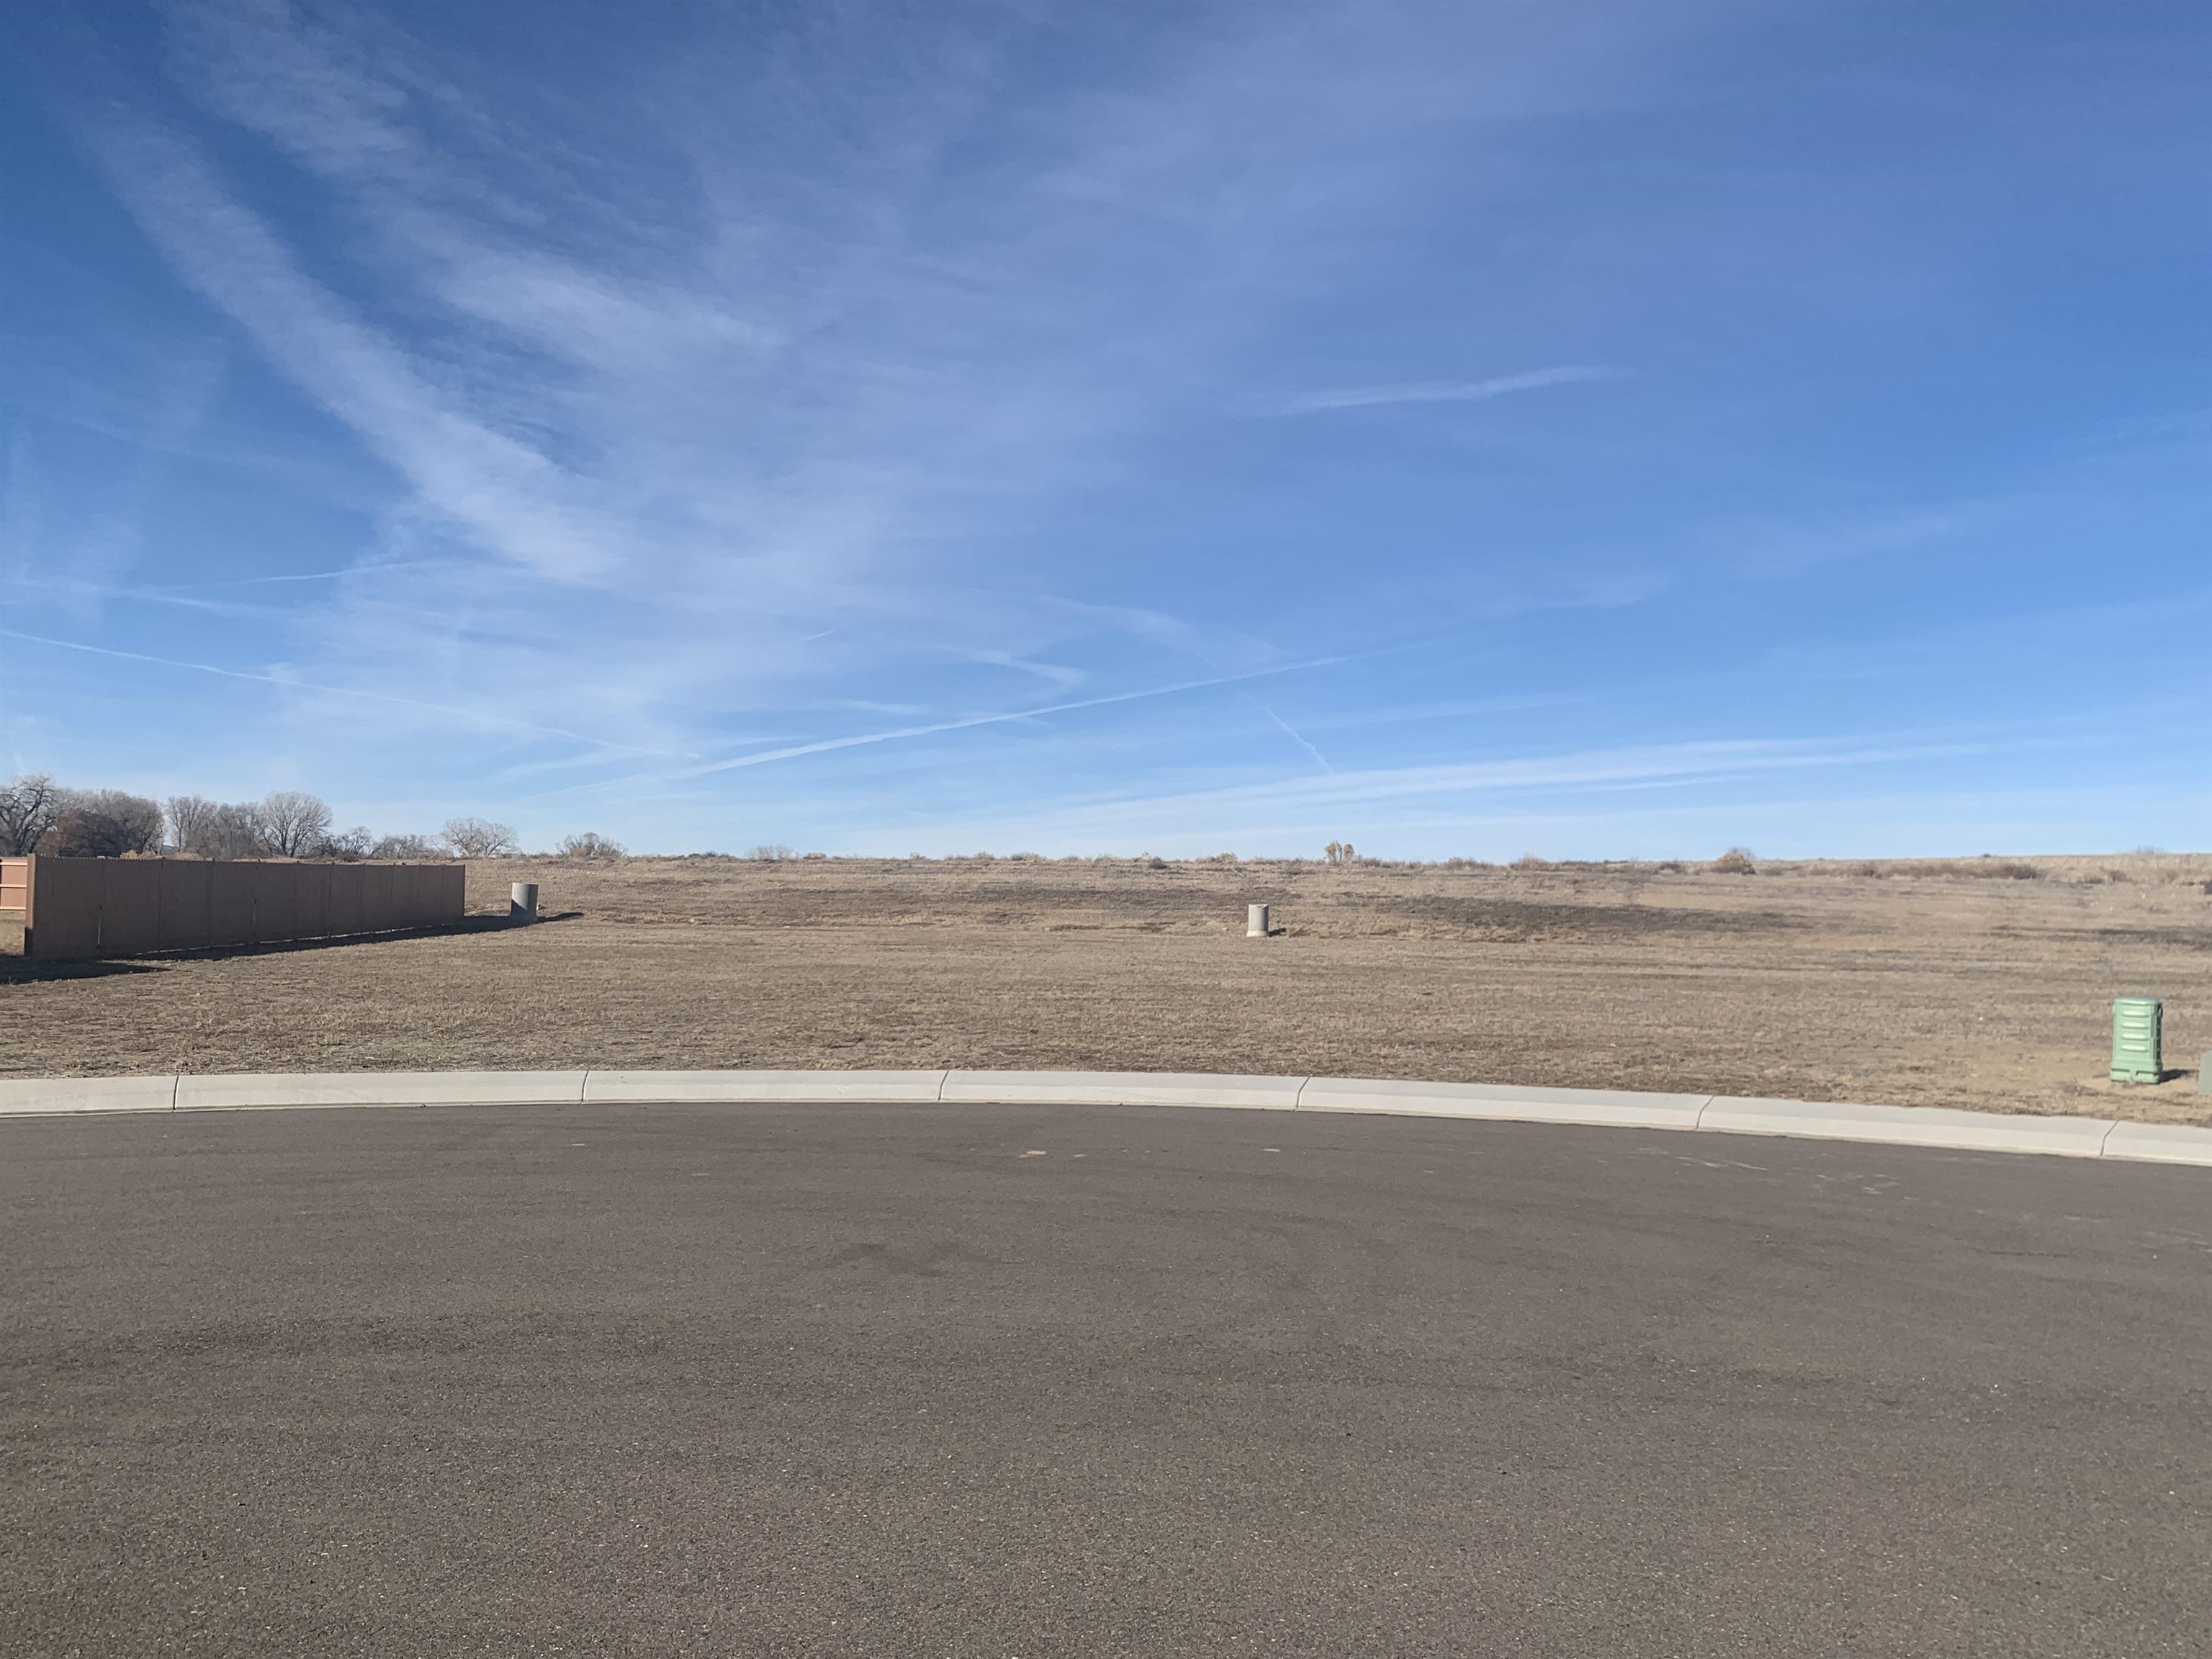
point(1934, 984)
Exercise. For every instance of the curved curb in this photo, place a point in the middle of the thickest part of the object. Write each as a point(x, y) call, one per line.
point(1895, 1126)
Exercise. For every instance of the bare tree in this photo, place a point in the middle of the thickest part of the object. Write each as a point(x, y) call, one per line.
point(234, 831)
point(216, 830)
point(478, 838)
point(28, 807)
point(293, 822)
point(191, 819)
point(136, 818)
point(592, 845)
point(78, 833)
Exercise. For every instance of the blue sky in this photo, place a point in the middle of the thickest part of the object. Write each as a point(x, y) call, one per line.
point(1598, 431)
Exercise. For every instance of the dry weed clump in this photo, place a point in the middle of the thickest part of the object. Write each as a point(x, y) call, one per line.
point(1968, 869)
point(1737, 861)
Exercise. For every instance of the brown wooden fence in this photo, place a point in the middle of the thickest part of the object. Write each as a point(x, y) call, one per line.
point(78, 907)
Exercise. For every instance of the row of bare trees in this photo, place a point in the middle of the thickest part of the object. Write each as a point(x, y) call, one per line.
point(36, 810)
point(37, 815)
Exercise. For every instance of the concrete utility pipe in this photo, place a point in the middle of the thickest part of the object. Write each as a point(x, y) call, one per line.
point(522, 903)
point(1255, 921)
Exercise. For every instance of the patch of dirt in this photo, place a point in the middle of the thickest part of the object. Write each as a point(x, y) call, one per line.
point(1812, 982)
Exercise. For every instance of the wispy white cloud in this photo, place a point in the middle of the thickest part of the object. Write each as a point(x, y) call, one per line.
point(113, 591)
point(707, 384)
point(292, 683)
point(1445, 391)
point(507, 496)
point(738, 389)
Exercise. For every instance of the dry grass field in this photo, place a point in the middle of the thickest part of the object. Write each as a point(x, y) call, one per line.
point(1958, 984)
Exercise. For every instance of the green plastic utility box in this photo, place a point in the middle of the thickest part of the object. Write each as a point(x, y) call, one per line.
point(2138, 1055)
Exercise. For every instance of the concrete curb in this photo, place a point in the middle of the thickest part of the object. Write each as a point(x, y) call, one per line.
point(1896, 1125)
point(1606, 1107)
point(38, 1097)
point(712, 1088)
point(1913, 1126)
point(2159, 1143)
point(275, 1090)
point(1122, 1089)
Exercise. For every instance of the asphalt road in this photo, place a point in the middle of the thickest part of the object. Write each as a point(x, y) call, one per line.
point(993, 1382)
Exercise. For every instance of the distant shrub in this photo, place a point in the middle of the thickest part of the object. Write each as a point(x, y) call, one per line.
point(592, 845)
point(405, 848)
point(815, 855)
point(1671, 867)
point(1984, 868)
point(1529, 861)
point(773, 852)
point(1737, 861)
point(344, 845)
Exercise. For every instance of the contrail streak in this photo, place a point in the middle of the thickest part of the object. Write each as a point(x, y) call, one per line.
point(1292, 732)
point(898, 734)
point(974, 721)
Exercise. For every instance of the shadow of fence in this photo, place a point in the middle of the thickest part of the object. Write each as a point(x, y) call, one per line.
point(18, 970)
